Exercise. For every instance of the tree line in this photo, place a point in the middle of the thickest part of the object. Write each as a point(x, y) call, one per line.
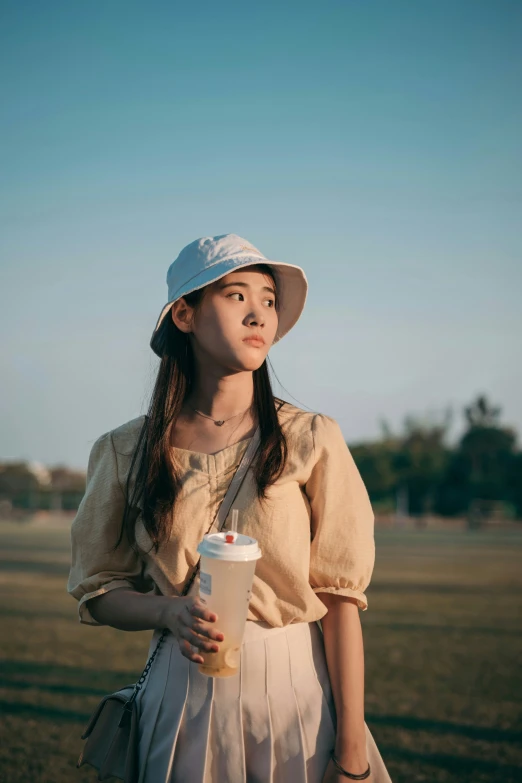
point(480, 476)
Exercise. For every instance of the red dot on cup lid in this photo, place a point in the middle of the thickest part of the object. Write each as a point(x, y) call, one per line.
point(229, 538)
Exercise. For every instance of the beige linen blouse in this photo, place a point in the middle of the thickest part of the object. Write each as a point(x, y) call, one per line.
point(315, 531)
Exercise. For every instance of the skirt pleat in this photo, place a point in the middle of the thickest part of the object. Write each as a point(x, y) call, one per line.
point(314, 702)
point(289, 750)
point(274, 722)
point(226, 760)
point(258, 739)
point(190, 753)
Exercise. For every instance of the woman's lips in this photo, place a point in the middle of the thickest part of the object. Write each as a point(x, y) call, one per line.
point(257, 341)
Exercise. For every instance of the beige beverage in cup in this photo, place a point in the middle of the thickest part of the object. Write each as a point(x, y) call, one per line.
point(228, 562)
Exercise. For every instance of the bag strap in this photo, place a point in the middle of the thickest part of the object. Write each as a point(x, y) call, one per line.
point(218, 521)
point(239, 475)
point(230, 495)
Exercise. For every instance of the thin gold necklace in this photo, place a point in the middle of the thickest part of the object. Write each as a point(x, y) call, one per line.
point(218, 422)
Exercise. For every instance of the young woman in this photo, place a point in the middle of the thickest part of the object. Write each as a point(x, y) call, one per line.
point(295, 711)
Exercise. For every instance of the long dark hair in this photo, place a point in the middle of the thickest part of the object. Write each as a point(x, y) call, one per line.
point(153, 476)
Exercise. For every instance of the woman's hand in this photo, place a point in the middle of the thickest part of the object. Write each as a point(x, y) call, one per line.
point(332, 775)
point(191, 622)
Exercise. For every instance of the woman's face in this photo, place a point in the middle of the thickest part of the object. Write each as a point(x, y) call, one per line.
point(233, 310)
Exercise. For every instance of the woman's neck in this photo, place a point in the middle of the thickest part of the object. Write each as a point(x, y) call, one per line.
point(222, 397)
point(229, 400)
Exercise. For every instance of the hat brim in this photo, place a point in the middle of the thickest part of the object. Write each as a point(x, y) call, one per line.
point(291, 283)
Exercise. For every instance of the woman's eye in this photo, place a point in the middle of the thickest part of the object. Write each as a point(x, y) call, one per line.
point(271, 302)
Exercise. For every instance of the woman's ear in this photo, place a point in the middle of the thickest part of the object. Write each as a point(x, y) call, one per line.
point(182, 315)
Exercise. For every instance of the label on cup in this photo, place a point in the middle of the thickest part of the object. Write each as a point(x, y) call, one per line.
point(205, 583)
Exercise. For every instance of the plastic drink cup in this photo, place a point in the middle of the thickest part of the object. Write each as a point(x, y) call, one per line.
point(228, 562)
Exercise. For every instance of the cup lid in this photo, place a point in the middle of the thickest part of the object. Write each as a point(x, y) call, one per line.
point(240, 549)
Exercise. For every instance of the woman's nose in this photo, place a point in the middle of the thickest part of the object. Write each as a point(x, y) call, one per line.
point(256, 318)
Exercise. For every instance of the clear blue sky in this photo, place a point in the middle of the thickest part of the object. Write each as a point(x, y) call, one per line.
point(377, 144)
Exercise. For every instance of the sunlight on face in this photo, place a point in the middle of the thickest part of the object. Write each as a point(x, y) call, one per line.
point(237, 307)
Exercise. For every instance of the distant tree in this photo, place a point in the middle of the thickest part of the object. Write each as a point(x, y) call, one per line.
point(481, 414)
point(374, 461)
point(411, 463)
point(420, 460)
point(489, 449)
point(479, 469)
point(514, 483)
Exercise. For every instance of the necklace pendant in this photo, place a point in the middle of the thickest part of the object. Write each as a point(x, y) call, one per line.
point(219, 423)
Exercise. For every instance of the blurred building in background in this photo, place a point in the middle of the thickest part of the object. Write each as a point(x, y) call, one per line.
point(30, 486)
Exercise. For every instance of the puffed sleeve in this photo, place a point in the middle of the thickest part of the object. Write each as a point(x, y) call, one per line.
point(95, 569)
point(342, 550)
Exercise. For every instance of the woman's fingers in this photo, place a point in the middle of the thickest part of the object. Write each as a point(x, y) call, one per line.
point(198, 623)
point(200, 610)
point(195, 632)
point(190, 652)
point(204, 630)
point(198, 641)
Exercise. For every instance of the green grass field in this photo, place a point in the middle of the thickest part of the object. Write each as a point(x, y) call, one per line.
point(443, 642)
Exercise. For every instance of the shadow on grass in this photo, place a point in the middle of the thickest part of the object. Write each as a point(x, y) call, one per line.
point(69, 680)
point(463, 629)
point(410, 723)
point(461, 765)
point(79, 690)
point(457, 589)
point(35, 566)
point(32, 711)
point(31, 674)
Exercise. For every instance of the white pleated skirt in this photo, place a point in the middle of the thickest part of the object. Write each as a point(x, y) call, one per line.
point(273, 722)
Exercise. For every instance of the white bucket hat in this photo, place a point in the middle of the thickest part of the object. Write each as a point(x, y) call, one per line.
point(207, 259)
